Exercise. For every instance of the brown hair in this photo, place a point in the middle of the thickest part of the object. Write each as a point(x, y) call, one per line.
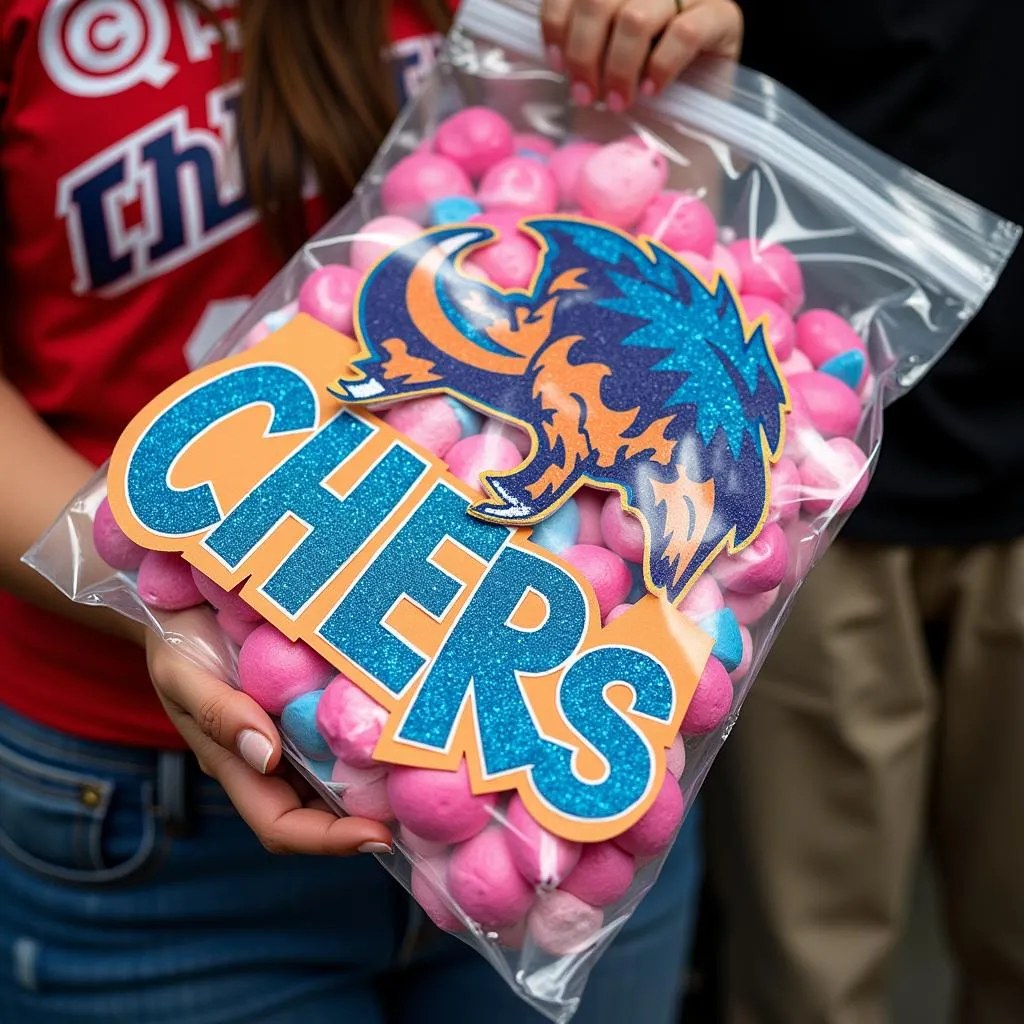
point(315, 93)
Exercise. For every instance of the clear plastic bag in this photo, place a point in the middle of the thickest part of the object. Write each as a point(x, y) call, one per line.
point(672, 440)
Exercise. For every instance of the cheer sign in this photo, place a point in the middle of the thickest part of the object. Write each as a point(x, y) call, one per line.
point(481, 645)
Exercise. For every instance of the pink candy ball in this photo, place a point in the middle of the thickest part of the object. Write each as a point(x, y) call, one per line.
point(711, 701)
point(702, 267)
point(675, 758)
point(438, 805)
point(760, 566)
point(112, 543)
point(784, 496)
point(236, 629)
point(418, 847)
point(475, 138)
point(780, 329)
point(836, 472)
point(703, 598)
point(542, 858)
point(378, 237)
point(606, 572)
point(165, 582)
point(538, 144)
point(796, 363)
point(801, 434)
point(590, 503)
point(770, 271)
point(562, 925)
point(511, 260)
point(223, 600)
point(565, 165)
point(350, 721)
point(834, 408)
point(603, 875)
point(617, 182)
point(654, 832)
point(274, 671)
point(680, 221)
point(726, 264)
point(481, 453)
point(427, 890)
point(484, 882)
point(366, 791)
point(748, 608)
point(621, 530)
point(418, 180)
point(821, 335)
point(748, 656)
point(616, 613)
point(429, 422)
point(519, 184)
point(329, 295)
point(519, 438)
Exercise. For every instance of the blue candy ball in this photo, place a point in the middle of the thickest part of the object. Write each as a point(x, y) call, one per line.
point(725, 631)
point(560, 530)
point(532, 154)
point(470, 421)
point(298, 722)
point(847, 367)
point(453, 210)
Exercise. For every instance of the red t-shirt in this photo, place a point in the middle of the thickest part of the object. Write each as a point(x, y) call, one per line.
point(126, 223)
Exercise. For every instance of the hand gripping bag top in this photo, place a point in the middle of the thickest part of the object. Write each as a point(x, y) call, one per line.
point(499, 493)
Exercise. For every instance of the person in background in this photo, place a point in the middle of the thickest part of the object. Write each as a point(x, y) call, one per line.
point(890, 712)
point(130, 889)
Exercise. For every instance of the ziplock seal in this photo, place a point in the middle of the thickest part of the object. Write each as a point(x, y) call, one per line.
point(904, 211)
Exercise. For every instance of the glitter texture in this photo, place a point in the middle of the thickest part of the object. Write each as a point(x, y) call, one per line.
point(356, 626)
point(177, 513)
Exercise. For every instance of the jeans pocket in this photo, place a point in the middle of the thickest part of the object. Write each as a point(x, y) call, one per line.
point(57, 820)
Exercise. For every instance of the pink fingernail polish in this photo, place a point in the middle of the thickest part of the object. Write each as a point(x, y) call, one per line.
point(255, 749)
point(554, 55)
point(616, 102)
point(647, 87)
point(582, 95)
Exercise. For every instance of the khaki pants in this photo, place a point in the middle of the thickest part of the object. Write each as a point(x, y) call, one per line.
point(859, 741)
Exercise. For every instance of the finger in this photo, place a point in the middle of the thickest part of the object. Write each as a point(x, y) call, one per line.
point(554, 24)
point(585, 46)
point(635, 26)
point(225, 718)
point(274, 811)
point(714, 27)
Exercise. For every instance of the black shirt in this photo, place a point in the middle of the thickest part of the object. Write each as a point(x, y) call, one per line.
point(938, 84)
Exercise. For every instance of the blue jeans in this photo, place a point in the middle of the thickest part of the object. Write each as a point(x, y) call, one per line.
point(131, 893)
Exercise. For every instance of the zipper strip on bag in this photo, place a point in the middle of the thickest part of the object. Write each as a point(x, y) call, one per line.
point(963, 261)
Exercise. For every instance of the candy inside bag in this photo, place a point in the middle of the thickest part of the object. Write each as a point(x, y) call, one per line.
point(555, 384)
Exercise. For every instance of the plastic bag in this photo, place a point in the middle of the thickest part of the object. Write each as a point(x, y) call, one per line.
point(674, 373)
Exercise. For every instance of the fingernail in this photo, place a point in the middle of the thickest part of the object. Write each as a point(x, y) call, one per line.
point(554, 55)
point(582, 95)
point(647, 87)
point(255, 749)
point(375, 848)
point(616, 102)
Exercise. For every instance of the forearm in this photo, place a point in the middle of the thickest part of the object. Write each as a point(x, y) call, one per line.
point(43, 474)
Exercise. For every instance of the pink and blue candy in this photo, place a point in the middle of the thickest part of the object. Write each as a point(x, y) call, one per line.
point(419, 180)
point(560, 530)
point(723, 627)
point(298, 722)
point(453, 210)
point(849, 367)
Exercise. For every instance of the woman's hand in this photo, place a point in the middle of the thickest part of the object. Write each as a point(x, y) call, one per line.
point(612, 48)
point(236, 743)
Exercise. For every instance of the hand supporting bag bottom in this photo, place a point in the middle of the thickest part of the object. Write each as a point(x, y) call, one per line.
point(500, 492)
